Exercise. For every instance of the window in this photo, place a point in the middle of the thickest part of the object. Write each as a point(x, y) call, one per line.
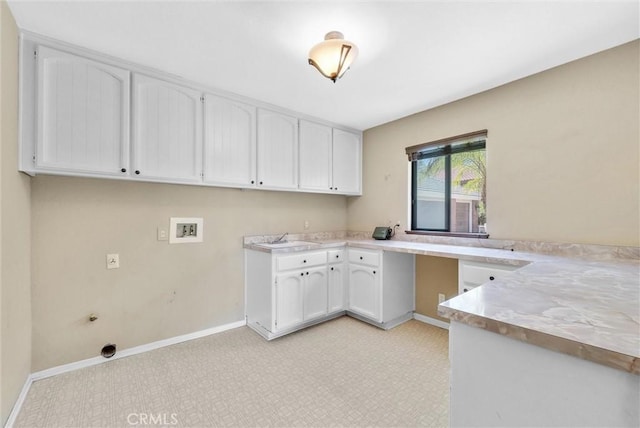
point(448, 191)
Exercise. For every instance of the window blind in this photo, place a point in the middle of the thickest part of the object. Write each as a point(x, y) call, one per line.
point(446, 146)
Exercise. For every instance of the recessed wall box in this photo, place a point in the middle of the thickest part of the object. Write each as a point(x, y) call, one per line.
point(185, 230)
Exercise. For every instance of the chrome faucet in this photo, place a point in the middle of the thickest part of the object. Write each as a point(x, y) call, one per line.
point(280, 239)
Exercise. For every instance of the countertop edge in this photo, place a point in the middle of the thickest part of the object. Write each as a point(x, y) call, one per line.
point(606, 357)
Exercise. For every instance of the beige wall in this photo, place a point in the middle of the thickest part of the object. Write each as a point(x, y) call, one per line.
point(562, 154)
point(434, 275)
point(160, 290)
point(15, 231)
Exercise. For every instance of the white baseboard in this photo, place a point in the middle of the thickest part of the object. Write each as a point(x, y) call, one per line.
point(100, 360)
point(18, 404)
point(428, 320)
point(135, 350)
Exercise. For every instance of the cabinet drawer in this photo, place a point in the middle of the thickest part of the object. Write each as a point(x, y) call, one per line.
point(473, 274)
point(364, 257)
point(335, 256)
point(297, 261)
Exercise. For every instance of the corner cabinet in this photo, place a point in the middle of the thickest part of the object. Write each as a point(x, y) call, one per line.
point(277, 150)
point(330, 159)
point(82, 115)
point(167, 131)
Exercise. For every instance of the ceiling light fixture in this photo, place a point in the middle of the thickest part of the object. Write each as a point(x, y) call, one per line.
point(333, 56)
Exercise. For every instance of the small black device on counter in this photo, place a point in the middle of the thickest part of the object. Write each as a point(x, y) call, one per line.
point(382, 232)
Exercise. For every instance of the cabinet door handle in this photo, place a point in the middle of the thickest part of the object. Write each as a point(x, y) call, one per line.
point(337, 256)
point(331, 268)
point(307, 273)
point(301, 273)
point(465, 290)
point(491, 278)
point(261, 183)
point(374, 272)
point(123, 170)
point(304, 261)
point(137, 172)
point(360, 257)
point(253, 181)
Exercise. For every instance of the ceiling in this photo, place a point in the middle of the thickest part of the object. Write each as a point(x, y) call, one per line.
point(414, 55)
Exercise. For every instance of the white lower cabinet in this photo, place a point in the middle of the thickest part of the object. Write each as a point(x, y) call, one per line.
point(337, 287)
point(314, 293)
point(290, 291)
point(301, 295)
point(287, 292)
point(381, 286)
point(473, 274)
point(364, 291)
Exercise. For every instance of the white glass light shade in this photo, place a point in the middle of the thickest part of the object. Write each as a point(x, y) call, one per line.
point(333, 56)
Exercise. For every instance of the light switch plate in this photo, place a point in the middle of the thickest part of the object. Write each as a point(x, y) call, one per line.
point(163, 234)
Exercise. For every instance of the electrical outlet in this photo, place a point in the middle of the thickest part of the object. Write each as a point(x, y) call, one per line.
point(113, 261)
point(306, 224)
point(441, 298)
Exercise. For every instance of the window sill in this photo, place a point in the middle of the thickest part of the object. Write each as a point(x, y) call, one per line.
point(449, 234)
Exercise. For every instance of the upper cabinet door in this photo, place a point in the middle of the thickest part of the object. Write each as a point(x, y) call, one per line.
point(83, 115)
point(167, 137)
point(347, 162)
point(229, 142)
point(315, 157)
point(277, 150)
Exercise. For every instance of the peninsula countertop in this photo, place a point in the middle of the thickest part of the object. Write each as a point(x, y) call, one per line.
point(586, 308)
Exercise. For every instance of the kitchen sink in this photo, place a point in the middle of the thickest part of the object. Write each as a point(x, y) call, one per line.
point(288, 244)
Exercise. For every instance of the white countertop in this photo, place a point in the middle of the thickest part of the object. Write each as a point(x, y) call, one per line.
point(588, 309)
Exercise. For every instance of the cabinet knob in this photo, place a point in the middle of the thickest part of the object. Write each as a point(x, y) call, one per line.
point(330, 188)
point(360, 257)
point(253, 181)
point(301, 273)
point(261, 183)
point(374, 272)
point(304, 261)
point(137, 172)
point(123, 170)
point(337, 256)
point(335, 188)
point(307, 273)
point(331, 268)
point(491, 278)
point(465, 290)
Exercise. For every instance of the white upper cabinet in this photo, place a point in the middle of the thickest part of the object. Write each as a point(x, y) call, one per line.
point(82, 115)
point(229, 142)
point(315, 156)
point(277, 150)
point(347, 162)
point(330, 159)
point(167, 137)
point(85, 114)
